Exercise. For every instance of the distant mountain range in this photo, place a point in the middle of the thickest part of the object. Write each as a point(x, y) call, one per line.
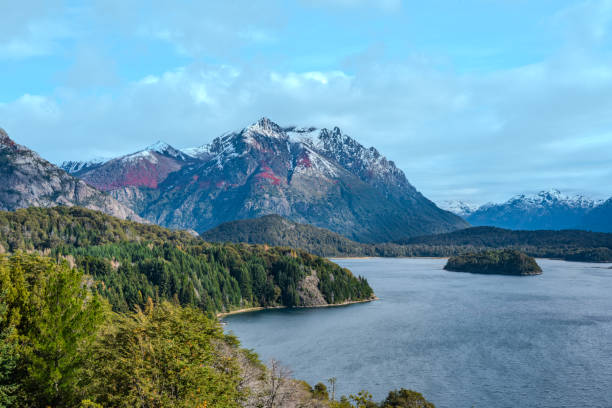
point(544, 210)
point(319, 177)
point(30, 181)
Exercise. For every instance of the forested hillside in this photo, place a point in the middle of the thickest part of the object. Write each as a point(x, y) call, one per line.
point(571, 245)
point(276, 230)
point(129, 262)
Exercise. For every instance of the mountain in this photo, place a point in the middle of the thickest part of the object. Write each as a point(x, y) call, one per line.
point(320, 177)
point(145, 168)
point(600, 218)
point(28, 180)
point(545, 210)
point(275, 230)
point(458, 207)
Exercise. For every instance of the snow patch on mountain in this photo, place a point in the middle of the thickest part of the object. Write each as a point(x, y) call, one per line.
point(458, 207)
point(75, 166)
point(550, 198)
point(197, 152)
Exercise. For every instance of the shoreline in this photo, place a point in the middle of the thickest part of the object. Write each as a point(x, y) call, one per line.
point(387, 257)
point(447, 257)
point(260, 308)
point(352, 257)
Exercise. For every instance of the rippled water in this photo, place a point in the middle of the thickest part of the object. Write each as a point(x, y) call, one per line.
point(463, 340)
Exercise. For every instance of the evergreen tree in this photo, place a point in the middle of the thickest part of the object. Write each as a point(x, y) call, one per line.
point(56, 318)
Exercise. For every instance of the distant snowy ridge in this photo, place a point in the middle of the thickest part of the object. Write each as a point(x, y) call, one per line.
point(549, 209)
point(461, 208)
point(552, 197)
point(74, 166)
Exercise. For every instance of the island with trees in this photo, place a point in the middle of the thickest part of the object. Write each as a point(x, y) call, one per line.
point(494, 262)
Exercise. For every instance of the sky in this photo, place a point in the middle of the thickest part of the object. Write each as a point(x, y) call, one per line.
point(474, 100)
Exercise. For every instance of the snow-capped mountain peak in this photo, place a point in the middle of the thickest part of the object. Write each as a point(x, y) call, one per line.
point(159, 147)
point(164, 148)
point(75, 166)
point(461, 208)
point(266, 127)
point(553, 197)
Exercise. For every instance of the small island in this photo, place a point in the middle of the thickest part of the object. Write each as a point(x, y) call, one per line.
point(494, 262)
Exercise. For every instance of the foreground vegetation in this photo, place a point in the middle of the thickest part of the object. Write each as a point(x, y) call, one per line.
point(62, 346)
point(500, 262)
point(571, 245)
point(130, 262)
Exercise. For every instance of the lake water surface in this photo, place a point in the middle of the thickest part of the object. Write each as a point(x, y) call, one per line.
point(463, 340)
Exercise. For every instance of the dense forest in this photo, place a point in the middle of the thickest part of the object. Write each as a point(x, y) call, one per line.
point(129, 262)
point(572, 245)
point(494, 262)
point(61, 345)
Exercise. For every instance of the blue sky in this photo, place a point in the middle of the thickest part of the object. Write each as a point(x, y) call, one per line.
point(475, 100)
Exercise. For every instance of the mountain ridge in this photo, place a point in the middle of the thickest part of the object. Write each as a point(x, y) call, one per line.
point(547, 209)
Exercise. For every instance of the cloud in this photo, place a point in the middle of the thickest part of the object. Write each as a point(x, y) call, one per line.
point(32, 28)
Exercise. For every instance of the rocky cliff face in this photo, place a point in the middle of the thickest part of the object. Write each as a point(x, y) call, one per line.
point(28, 180)
point(320, 177)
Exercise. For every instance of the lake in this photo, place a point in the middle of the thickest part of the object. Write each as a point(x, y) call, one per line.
point(463, 340)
